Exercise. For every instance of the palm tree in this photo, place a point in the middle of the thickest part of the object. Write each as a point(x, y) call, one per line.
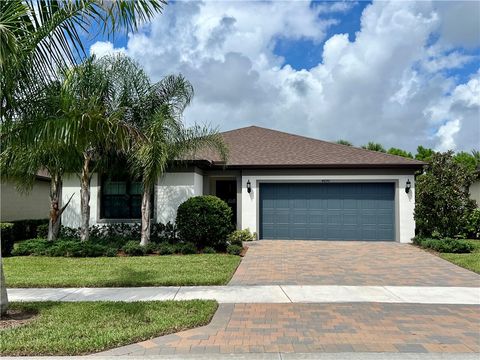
point(38, 37)
point(95, 123)
point(156, 111)
point(20, 163)
point(164, 141)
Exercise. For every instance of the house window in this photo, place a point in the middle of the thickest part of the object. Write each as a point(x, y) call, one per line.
point(120, 198)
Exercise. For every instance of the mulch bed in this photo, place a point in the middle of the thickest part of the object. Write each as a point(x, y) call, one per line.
point(16, 318)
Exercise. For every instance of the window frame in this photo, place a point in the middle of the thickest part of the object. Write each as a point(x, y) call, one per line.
point(101, 203)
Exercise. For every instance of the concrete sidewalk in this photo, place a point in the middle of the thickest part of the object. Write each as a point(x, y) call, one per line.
point(260, 294)
point(278, 356)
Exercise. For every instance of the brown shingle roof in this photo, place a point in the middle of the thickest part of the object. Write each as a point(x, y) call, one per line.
point(254, 146)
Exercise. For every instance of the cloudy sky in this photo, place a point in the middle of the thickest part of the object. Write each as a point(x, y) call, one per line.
point(398, 73)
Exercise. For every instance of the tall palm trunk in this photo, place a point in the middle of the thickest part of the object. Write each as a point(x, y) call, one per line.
point(55, 215)
point(146, 206)
point(3, 290)
point(85, 178)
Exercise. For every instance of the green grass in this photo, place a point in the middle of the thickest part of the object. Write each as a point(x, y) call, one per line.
point(169, 270)
point(87, 327)
point(468, 261)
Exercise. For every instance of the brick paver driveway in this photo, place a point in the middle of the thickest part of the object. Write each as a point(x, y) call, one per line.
point(371, 327)
point(346, 263)
point(333, 327)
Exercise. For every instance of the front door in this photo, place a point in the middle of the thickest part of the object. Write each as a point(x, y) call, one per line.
point(227, 191)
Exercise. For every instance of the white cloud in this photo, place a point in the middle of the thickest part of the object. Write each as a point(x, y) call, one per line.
point(387, 85)
point(446, 135)
point(102, 48)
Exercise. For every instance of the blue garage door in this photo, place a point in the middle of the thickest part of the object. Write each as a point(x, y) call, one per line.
point(331, 211)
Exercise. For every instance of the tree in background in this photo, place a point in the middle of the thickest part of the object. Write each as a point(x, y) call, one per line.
point(400, 152)
point(469, 160)
point(344, 142)
point(374, 147)
point(442, 197)
point(424, 154)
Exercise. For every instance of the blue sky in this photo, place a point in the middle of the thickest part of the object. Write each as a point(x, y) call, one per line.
point(304, 53)
point(359, 71)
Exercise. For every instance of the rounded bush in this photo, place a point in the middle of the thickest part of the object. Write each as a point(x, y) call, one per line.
point(205, 221)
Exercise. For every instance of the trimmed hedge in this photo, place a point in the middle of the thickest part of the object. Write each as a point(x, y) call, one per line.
point(205, 221)
point(76, 248)
point(445, 245)
point(66, 248)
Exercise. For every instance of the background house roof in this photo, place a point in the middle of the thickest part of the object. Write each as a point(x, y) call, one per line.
point(255, 146)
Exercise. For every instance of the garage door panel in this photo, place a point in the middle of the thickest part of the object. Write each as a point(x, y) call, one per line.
point(340, 211)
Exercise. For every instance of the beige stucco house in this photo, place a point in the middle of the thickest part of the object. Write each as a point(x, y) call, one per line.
point(279, 185)
point(16, 205)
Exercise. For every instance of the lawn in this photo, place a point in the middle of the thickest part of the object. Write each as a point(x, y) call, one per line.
point(87, 327)
point(167, 270)
point(468, 261)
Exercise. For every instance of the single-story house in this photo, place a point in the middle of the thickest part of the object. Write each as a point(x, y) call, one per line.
point(279, 185)
point(31, 205)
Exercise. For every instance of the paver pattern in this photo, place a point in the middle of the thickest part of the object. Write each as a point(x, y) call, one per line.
point(333, 327)
point(347, 327)
point(270, 262)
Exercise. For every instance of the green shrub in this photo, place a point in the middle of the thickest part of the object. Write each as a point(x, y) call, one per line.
point(151, 248)
point(205, 221)
point(442, 199)
point(27, 229)
point(42, 231)
point(36, 247)
point(445, 245)
point(111, 252)
point(6, 236)
point(163, 233)
point(208, 250)
point(234, 249)
point(472, 225)
point(67, 248)
point(133, 248)
point(239, 236)
point(187, 248)
point(166, 249)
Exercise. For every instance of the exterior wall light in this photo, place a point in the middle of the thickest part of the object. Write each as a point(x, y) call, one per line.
point(408, 185)
point(249, 186)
